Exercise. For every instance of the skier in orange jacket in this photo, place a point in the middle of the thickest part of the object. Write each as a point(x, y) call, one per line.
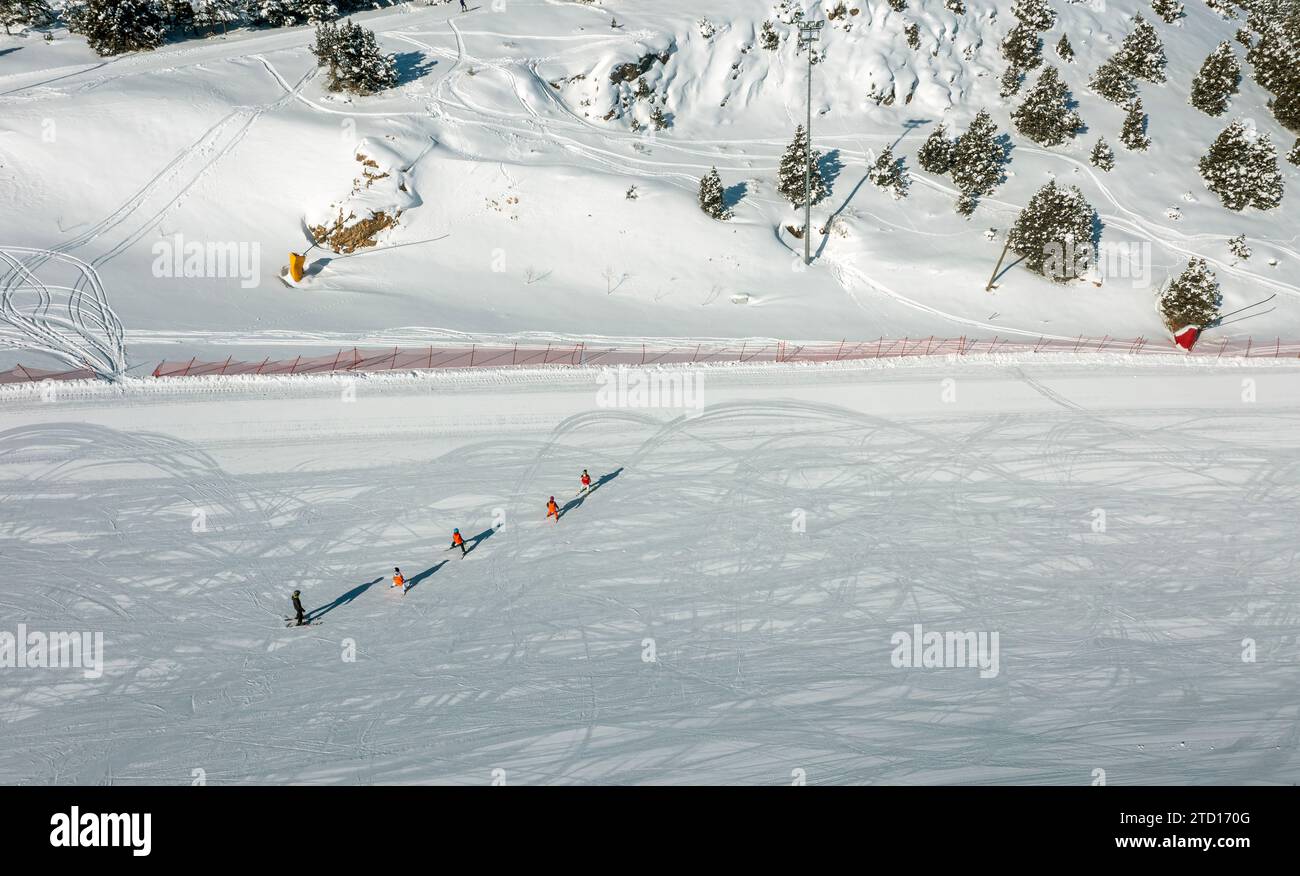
point(458, 541)
point(553, 510)
point(398, 580)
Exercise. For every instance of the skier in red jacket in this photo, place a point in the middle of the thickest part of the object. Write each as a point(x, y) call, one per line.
point(586, 481)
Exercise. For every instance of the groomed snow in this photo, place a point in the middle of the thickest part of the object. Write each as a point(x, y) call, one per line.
point(962, 496)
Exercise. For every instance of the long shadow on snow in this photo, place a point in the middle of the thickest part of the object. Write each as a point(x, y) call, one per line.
point(410, 585)
point(474, 542)
point(352, 594)
point(574, 503)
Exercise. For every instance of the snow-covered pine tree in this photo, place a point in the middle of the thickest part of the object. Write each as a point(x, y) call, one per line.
point(112, 27)
point(977, 159)
point(1265, 174)
point(1023, 48)
point(888, 173)
point(912, 33)
point(352, 55)
point(1294, 155)
point(1010, 81)
point(287, 13)
point(179, 14)
point(1237, 246)
point(1168, 10)
point(1141, 54)
point(935, 155)
point(1223, 7)
point(1064, 50)
point(1113, 82)
point(768, 38)
point(1134, 133)
point(658, 119)
point(957, 7)
point(1034, 13)
point(1286, 106)
point(1275, 59)
point(790, 176)
point(712, 199)
point(16, 12)
point(898, 5)
point(1102, 155)
point(1216, 82)
point(1241, 172)
point(1193, 299)
point(1045, 116)
point(1054, 233)
point(209, 15)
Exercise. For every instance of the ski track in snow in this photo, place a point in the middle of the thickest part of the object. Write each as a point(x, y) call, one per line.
point(1119, 649)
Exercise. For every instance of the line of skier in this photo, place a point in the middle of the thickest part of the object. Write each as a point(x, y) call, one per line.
point(457, 541)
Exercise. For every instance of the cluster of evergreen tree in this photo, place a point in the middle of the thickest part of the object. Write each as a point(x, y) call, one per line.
point(974, 159)
point(351, 54)
point(1113, 82)
point(112, 27)
point(1192, 299)
point(115, 26)
point(16, 12)
point(1216, 82)
point(1054, 233)
point(1047, 115)
point(1242, 170)
point(1275, 56)
point(790, 176)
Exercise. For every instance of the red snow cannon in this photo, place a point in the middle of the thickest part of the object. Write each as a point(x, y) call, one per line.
point(1186, 337)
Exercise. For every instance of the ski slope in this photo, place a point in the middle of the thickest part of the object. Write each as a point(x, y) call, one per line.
point(960, 495)
point(514, 179)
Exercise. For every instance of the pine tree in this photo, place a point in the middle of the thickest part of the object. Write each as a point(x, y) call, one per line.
point(977, 159)
point(1045, 116)
point(1134, 133)
point(1286, 107)
point(1241, 172)
point(1102, 156)
point(1168, 10)
point(658, 119)
point(912, 33)
point(768, 38)
point(1265, 174)
point(1141, 54)
point(790, 176)
point(112, 27)
point(1216, 82)
point(211, 14)
point(1034, 13)
point(1010, 81)
point(1023, 48)
point(898, 5)
point(1193, 299)
point(1223, 7)
point(1237, 246)
point(15, 12)
point(1064, 50)
point(353, 57)
point(288, 13)
point(1275, 59)
point(1294, 155)
point(955, 6)
point(1112, 82)
point(1054, 233)
point(888, 173)
point(935, 155)
point(712, 199)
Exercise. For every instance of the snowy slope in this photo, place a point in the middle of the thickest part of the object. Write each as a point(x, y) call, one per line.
point(516, 210)
point(960, 496)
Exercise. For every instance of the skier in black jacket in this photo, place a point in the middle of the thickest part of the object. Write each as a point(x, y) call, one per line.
point(297, 606)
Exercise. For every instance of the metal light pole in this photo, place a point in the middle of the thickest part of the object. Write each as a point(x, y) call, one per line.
point(809, 32)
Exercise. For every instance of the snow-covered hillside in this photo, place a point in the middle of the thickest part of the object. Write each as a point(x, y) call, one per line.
point(723, 608)
point(530, 203)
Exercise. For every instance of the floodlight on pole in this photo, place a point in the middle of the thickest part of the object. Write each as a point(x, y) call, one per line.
point(809, 33)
